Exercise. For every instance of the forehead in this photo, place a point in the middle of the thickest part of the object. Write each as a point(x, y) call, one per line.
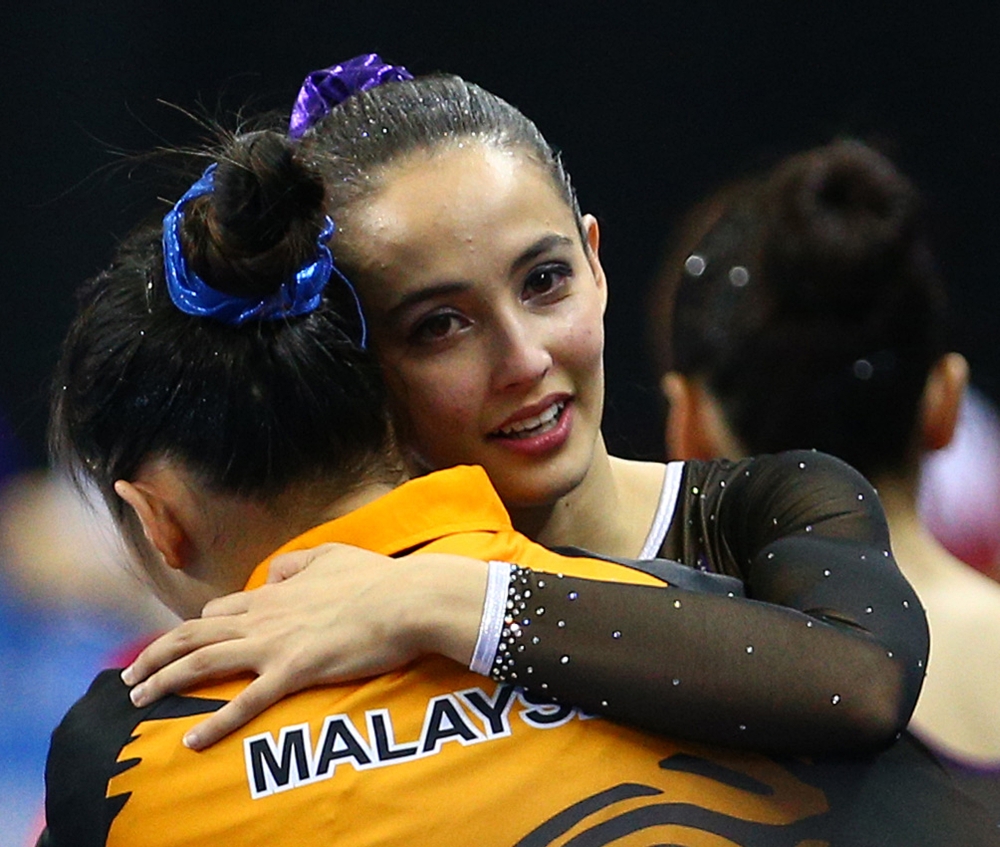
point(454, 213)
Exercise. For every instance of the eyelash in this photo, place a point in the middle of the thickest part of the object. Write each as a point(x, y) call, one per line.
point(422, 333)
point(554, 269)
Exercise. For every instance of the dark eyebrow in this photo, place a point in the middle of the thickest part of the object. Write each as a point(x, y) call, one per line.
point(543, 245)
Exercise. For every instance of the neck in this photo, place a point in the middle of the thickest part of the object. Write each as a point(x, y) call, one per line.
point(898, 492)
point(920, 556)
point(240, 535)
point(609, 512)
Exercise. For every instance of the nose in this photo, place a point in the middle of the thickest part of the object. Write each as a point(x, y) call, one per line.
point(521, 354)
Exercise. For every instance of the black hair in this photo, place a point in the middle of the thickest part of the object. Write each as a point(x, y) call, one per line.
point(248, 409)
point(254, 408)
point(813, 309)
point(368, 132)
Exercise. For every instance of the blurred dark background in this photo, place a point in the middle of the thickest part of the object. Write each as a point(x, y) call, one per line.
point(653, 105)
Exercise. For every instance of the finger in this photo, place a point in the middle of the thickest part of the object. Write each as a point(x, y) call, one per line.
point(250, 702)
point(189, 636)
point(207, 664)
point(230, 604)
point(287, 565)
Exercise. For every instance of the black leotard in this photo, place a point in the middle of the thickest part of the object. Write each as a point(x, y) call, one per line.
point(825, 653)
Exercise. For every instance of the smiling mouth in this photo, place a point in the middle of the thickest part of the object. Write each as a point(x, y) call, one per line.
point(533, 426)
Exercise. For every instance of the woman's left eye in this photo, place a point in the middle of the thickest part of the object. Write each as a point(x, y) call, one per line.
point(438, 326)
point(547, 282)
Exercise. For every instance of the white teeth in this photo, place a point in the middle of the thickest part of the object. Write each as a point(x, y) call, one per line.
point(533, 423)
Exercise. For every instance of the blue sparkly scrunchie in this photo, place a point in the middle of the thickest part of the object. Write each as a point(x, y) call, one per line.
point(297, 296)
point(324, 89)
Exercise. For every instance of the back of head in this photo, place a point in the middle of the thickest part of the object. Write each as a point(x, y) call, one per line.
point(813, 311)
point(249, 404)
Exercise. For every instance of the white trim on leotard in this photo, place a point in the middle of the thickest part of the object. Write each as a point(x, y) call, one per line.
point(498, 579)
point(664, 510)
point(491, 623)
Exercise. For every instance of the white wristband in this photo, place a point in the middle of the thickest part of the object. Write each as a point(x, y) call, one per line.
point(491, 624)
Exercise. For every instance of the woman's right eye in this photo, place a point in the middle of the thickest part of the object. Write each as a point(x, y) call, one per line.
point(438, 327)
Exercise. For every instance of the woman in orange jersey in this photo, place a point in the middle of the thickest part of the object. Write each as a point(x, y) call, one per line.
point(482, 286)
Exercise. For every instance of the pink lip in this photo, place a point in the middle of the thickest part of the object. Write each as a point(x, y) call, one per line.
point(545, 442)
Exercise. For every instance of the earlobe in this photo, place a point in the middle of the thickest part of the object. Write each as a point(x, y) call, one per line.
point(942, 400)
point(159, 524)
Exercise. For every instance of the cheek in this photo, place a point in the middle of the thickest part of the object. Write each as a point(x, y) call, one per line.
point(435, 401)
point(580, 347)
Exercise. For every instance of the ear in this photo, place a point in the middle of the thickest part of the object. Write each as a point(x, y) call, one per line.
point(159, 522)
point(942, 399)
point(592, 245)
point(695, 427)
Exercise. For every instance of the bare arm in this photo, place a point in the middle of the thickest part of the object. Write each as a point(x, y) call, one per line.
point(347, 614)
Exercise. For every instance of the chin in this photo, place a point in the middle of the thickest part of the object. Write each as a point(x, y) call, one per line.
point(542, 483)
point(537, 488)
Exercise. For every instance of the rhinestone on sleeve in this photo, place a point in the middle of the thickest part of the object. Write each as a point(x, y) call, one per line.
point(515, 621)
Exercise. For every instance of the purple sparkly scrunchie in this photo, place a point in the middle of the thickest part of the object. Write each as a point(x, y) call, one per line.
point(297, 296)
point(324, 89)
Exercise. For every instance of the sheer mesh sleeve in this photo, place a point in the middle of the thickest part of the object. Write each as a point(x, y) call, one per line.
point(825, 653)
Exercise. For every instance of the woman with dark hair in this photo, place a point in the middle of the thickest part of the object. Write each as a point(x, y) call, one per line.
point(811, 314)
point(483, 289)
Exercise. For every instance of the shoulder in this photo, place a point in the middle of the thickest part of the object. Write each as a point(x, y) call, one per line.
point(106, 702)
point(806, 483)
point(797, 464)
point(82, 758)
point(798, 468)
point(962, 604)
point(86, 755)
point(963, 593)
point(97, 724)
point(801, 493)
point(957, 709)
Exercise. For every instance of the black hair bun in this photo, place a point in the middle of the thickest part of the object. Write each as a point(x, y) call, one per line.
point(259, 225)
point(844, 217)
